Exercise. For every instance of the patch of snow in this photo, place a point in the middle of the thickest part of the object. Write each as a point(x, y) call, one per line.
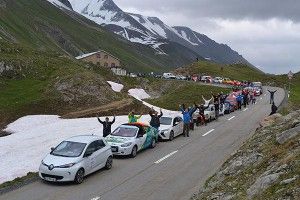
point(59, 4)
point(207, 58)
point(33, 136)
point(184, 35)
point(115, 86)
point(138, 93)
point(85, 55)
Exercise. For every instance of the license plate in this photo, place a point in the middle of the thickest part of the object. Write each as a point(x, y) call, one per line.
point(50, 179)
point(114, 149)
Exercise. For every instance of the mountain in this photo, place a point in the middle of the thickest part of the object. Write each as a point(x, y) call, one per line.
point(42, 26)
point(153, 32)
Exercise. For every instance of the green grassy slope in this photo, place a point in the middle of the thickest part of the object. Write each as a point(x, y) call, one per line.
point(39, 83)
point(234, 71)
point(41, 25)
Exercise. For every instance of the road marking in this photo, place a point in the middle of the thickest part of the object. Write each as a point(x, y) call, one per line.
point(245, 109)
point(165, 157)
point(231, 118)
point(205, 134)
point(96, 198)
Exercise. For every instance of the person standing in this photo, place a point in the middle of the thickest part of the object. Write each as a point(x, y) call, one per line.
point(239, 100)
point(106, 125)
point(272, 94)
point(216, 99)
point(186, 120)
point(155, 118)
point(207, 102)
point(132, 118)
point(202, 108)
point(274, 109)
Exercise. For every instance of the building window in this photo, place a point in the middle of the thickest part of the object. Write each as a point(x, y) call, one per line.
point(106, 57)
point(98, 55)
point(113, 64)
point(105, 64)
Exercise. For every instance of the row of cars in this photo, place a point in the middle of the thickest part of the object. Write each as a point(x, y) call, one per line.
point(79, 156)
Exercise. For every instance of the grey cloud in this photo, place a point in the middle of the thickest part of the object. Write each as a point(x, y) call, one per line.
point(226, 9)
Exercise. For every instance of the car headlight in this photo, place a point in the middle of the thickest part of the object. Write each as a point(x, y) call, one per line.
point(164, 131)
point(126, 144)
point(67, 165)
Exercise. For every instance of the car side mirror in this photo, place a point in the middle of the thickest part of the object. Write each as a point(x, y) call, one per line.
point(139, 135)
point(52, 149)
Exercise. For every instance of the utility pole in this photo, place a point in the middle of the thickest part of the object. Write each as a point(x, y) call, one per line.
point(290, 76)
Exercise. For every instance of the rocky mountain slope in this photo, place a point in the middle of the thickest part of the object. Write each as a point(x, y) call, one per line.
point(45, 27)
point(152, 31)
point(266, 167)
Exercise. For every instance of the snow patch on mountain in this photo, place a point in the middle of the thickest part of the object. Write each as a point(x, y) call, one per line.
point(59, 4)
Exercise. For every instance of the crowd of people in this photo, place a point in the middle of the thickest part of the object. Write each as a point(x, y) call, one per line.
point(243, 98)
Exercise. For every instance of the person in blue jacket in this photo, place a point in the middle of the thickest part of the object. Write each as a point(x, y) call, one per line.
point(187, 117)
point(239, 100)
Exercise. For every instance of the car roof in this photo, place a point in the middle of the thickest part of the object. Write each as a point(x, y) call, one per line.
point(84, 138)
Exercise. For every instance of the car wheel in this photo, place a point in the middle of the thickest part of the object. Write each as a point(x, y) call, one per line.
point(109, 162)
point(79, 176)
point(210, 119)
point(153, 143)
point(133, 152)
point(171, 137)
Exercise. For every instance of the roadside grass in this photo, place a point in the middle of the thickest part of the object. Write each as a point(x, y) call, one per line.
point(18, 182)
point(187, 93)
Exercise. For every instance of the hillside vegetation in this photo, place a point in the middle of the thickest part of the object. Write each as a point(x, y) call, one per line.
point(267, 166)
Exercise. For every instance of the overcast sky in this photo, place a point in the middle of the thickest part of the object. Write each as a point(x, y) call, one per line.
point(265, 32)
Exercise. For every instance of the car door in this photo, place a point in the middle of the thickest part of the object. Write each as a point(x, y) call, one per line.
point(175, 127)
point(90, 157)
point(141, 138)
point(101, 153)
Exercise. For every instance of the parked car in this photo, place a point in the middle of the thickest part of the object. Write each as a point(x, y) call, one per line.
point(218, 80)
point(128, 139)
point(133, 75)
point(227, 81)
point(180, 77)
point(257, 91)
point(75, 158)
point(229, 107)
point(222, 110)
point(169, 76)
point(170, 127)
point(232, 100)
point(256, 84)
point(206, 79)
point(210, 113)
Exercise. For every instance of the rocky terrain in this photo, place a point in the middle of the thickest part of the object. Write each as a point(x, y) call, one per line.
point(267, 166)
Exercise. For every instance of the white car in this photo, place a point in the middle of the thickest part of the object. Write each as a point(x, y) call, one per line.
point(180, 77)
point(75, 158)
point(128, 139)
point(218, 80)
point(206, 79)
point(222, 110)
point(210, 113)
point(170, 127)
point(169, 76)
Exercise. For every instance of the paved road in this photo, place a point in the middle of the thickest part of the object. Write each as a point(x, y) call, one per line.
point(188, 163)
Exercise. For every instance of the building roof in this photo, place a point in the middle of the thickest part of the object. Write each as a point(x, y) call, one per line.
point(92, 53)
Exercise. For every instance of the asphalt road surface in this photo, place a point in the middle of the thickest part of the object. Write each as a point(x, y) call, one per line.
point(173, 170)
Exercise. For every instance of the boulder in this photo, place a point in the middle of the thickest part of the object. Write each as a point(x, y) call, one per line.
point(261, 184)
point(270, 120)
point(288, 181)
point(288, 134)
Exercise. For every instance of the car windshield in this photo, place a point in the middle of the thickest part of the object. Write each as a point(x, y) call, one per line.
point(165, 120)
point(69, 149)
point(125, 131)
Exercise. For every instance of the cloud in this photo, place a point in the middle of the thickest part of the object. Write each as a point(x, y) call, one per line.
point(265, 32)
